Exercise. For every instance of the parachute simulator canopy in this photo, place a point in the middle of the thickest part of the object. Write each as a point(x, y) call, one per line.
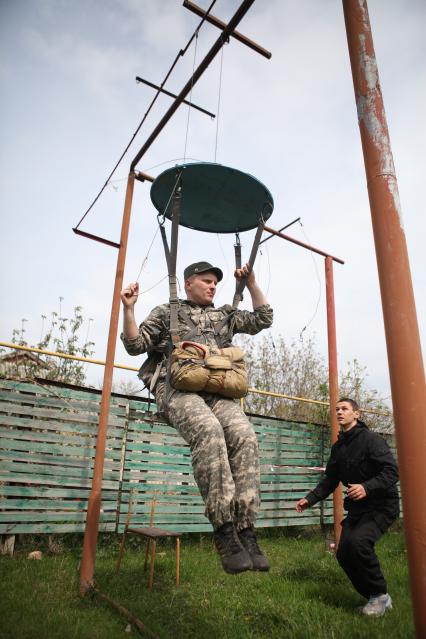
point(215, 198)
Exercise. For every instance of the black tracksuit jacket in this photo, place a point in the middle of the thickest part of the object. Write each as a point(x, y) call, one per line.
point(360, 456)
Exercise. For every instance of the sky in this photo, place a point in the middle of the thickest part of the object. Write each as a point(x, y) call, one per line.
point(70, 105)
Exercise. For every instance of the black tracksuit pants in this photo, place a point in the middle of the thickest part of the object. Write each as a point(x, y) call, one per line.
point(357, 557)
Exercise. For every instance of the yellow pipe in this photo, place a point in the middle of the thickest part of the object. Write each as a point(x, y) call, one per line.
point(33, 349)
point(311, 401)
point(282, 395)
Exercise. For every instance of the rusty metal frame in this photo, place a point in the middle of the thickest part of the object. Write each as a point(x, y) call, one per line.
point(280, 230)
point(96, 238)
point(333, 386)
point(406, 369)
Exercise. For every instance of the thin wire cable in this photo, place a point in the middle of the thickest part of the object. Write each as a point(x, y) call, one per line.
point(172, 160)
point(319, 284)
point(315, 469)
point(123, 179)
point(190, 97)
point(154, 285)
point(218, 103)
point(171, 195)
point(159, 282)
point(269, 271)
point(259, 268)
point(145, 259)
point(179, 55)
point(224, 257)
point(112, 182)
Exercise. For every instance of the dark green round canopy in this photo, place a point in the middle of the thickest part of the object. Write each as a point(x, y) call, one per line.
point(215, 198)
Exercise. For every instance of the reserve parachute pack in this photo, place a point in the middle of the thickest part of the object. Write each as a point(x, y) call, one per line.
point(197, 367)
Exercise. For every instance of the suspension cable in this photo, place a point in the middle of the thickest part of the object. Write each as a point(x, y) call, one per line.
point(190, 98)
point(218, 103)
point(179, 55)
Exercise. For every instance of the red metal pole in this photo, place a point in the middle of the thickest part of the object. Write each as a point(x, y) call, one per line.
point(399, 311)
point(333, 382)
point(94, 502)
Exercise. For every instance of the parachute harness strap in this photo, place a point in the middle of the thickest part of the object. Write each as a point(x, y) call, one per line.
point(241, 284)
point(164, 238)
point(173, 297)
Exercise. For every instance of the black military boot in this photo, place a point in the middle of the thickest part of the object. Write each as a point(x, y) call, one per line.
point(234, 556)
point(247, 538)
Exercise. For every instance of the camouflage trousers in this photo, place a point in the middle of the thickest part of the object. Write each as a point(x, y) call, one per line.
point(225, 456)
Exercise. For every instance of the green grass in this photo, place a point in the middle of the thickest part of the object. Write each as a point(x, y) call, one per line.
point(305, 595)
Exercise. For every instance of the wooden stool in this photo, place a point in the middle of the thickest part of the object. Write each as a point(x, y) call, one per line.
point(152, 534)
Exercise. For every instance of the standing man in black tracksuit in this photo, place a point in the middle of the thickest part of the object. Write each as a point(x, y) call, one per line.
point(363, 462)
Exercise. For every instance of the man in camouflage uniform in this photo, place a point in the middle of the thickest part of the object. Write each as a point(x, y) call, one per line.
point(224, 448)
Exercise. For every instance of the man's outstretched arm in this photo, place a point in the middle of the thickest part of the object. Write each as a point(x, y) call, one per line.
point(323, 489)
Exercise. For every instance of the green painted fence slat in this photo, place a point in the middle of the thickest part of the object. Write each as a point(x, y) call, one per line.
point(52, 460)
point(47, 516)
point(78, 428)
point(51, 437)
point(55, 470)
point(53, 504)
point(52, 480)
point(57, 415)
point(51, 528)
point(53, 493)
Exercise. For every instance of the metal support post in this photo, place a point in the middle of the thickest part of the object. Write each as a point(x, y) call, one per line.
point(94, 502)
point(399, 312)
point(333, 383)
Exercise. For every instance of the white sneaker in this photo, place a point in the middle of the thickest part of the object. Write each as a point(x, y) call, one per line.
point(377, 606)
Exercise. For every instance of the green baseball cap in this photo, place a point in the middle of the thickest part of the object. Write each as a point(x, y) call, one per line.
point(202, 267)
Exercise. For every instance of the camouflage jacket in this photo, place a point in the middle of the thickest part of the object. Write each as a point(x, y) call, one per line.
point(203, 324)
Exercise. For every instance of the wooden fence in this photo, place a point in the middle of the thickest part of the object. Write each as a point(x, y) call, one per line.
point(47, 448)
